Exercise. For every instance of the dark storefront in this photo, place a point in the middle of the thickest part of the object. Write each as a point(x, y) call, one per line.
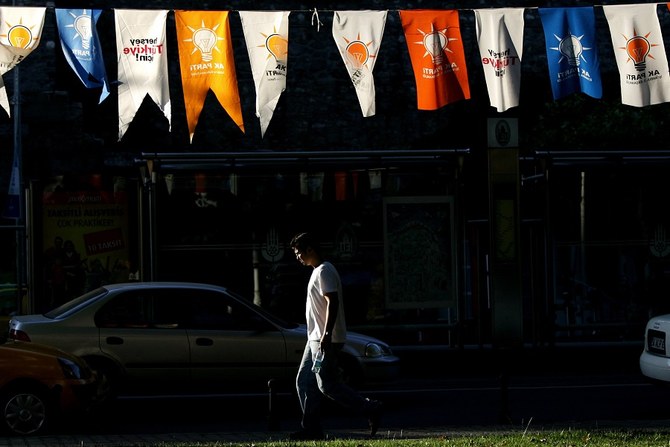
point(379, 216)
point(440, 238)
point(414, 254)
point(608, 218)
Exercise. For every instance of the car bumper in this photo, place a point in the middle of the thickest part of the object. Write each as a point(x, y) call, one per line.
point(76, 395)
point(382, 369)
point(655, 367)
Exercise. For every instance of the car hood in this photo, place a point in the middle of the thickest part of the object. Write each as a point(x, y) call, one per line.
point(353, 338)
point(37, 348)
point(356, 337)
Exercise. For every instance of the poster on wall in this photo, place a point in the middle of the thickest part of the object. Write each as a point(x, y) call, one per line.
point(85, 239)
point(420, 252)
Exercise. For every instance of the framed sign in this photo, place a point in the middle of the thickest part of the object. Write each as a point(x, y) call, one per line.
point(420, 256)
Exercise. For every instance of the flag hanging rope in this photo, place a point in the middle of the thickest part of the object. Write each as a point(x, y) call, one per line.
point(315, 15)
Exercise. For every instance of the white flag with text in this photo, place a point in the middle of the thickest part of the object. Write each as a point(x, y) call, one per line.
point(500, 39)
point(142, 63)
point(20, 33)
point(266, 36)
point(640, 53)
point(358, 35)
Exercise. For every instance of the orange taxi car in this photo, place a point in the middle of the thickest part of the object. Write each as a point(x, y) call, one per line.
point(38, 384)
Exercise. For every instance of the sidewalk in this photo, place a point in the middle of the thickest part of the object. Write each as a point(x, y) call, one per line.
point(250, 437)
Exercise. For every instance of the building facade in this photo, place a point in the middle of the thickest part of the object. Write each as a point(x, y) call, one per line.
point(442, 234)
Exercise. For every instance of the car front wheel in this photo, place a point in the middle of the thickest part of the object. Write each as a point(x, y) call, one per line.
point(350, 371)
point(107, 380)
point(24, 411)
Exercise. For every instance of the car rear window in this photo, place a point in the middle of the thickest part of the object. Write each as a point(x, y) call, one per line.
point(67, 308)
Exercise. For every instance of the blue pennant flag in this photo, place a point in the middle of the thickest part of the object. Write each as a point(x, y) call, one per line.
point(572, 52)
point(81, 46)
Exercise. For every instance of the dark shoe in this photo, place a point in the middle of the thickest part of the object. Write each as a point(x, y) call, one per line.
point(374, 416)
point(307, 435)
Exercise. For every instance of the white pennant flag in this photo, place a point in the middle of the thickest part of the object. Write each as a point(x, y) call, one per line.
point(20, 33)
point(640, 53)
point(500, 39)
point(358, 36)
point(142, 62)
point(266, 35)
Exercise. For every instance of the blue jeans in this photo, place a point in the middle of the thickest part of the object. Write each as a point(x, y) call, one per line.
point(312, 386)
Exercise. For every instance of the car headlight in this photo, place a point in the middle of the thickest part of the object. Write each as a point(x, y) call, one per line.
point(70, 369)
point(373, 350)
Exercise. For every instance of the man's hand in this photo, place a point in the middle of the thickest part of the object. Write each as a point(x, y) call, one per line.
point(326, 341)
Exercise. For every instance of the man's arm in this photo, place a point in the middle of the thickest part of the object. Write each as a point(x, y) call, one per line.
point(333, 304)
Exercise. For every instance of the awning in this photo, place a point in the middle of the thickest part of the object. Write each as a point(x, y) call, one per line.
point(300, 160)
point(577, 158)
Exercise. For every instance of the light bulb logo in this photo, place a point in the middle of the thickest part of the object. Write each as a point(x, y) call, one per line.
point(204, 40)
point(20, 36)
point(571, 49)
point(277, 46)
point(357, 54)
point(435, 42)
point(83, 26)
point(638, 48)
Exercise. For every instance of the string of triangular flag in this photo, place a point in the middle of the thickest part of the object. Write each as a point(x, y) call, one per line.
point(433, 39)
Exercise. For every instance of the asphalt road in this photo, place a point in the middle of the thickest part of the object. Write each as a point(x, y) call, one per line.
point(565, 389)
point(410, 404)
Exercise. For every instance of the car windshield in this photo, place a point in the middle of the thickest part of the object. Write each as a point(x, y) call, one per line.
point(66, 308)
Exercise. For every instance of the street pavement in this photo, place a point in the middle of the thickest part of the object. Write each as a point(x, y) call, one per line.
point(463, 392)
point(251, 437)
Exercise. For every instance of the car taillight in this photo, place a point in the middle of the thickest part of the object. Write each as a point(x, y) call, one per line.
point(18, 335)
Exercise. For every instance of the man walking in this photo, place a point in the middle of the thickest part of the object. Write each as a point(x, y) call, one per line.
point(326, 333)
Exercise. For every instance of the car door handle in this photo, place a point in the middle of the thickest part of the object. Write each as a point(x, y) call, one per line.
point(114, 340)
point(204, 341)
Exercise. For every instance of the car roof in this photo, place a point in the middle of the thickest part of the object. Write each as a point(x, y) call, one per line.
point(163, 284)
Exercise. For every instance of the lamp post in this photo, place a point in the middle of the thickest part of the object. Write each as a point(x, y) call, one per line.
point(17, 166)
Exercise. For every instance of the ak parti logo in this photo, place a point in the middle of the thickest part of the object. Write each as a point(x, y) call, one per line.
point(435, 42)
point(357, 54)
point(20, 36)
point(205, 40)
point(277, 46)
point(571, 49)
point(638, 48)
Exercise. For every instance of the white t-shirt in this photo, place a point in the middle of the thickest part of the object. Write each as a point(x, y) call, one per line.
point(324, 279)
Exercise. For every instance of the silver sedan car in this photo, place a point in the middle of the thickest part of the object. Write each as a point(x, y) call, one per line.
point(172, 336)
point(655, 357)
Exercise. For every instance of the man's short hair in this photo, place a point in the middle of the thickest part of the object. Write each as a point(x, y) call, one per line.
point(303, 241)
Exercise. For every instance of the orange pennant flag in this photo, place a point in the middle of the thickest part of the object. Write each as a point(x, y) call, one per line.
point(206, 60)
point(438, 59)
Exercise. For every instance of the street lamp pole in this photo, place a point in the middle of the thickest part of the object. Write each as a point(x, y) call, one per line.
point(21, 257)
